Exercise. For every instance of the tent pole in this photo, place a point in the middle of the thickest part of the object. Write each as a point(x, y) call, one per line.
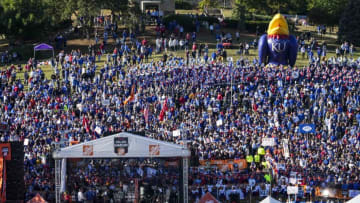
point(63, 175)
point(57, 180)
point(185, 165)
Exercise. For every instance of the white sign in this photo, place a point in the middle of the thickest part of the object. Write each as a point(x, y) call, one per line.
point(26, 142)
point(106, 102)
point(292, 190)
point(268, 142)
point(219, 122)
point(286, 148)
point(98, 130)
point(176, 133)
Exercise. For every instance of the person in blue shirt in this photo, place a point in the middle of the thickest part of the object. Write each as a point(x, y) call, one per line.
point(213, 56)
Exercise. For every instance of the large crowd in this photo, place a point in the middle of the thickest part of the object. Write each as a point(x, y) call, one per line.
point(83, 102)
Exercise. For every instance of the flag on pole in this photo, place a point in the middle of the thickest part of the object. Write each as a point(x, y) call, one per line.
point(85, 123)
point(131, 97)
point(163, 110)
point(146, 114)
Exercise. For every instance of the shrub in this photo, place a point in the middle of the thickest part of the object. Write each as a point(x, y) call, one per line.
point(184, 20)
point(209, 19)
point(251, 26)
point(187, 21)
point(230, 23)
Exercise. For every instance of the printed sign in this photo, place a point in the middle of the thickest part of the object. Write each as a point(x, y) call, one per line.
point(268, 142)
point(121, 145)
point(292, 190)
point(88, 150)
point(154, 150)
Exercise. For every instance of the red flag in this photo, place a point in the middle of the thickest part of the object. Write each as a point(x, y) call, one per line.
point(146, 114)
point(163, 110)
point(165, 107)
point(161, 116)
point(85, 123)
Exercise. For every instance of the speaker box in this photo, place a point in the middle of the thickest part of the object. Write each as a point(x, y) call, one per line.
point(15, 185)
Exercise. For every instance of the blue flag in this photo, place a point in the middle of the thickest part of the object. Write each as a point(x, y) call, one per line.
point(307, 128)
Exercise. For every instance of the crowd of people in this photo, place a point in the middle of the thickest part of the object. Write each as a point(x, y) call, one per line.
point(252, 101)
point(123, 181)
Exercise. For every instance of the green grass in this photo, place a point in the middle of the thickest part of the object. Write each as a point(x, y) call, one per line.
point(194, 11)
point(227, 13)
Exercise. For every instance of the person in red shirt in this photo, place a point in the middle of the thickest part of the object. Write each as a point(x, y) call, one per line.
point(144, 42)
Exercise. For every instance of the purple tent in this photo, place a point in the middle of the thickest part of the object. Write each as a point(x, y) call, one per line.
point(43, 47)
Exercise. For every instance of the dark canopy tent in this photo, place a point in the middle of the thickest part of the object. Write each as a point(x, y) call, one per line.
point(43, 47)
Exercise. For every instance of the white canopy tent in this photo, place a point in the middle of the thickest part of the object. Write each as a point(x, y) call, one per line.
point(121, 145)
point(356, 199)
point(270, 200)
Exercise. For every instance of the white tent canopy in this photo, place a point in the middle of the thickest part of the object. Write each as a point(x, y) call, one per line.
point(123, 145)
point(356, 199)
point(270, 200)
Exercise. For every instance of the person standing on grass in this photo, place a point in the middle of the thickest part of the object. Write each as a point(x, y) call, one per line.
point(206, 57)
point(302, 52)
point(351, 50)
point(181, 31)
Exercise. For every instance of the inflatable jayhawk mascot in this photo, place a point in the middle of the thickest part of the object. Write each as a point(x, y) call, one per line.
point(277, 47)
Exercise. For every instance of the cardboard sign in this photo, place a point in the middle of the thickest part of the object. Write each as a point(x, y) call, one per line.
point(268, 142)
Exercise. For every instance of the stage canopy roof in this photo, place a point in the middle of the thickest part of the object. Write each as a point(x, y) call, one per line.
point(123, 145)
point(270, 200)
point(354, 200)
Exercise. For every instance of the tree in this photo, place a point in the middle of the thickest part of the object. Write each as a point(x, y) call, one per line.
point(204, 4)
point(239, 13)
point(23, 19)
point(349, 26)
point(84, 12)
point(326, 11)
point(116, 6)
point(270, 7)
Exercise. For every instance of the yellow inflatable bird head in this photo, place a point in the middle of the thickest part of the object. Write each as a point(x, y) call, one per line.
point(278, 26)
